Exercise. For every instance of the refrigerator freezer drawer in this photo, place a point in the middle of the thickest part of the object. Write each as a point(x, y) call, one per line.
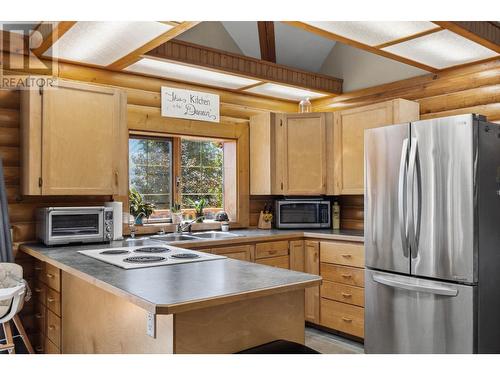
point(410, 315)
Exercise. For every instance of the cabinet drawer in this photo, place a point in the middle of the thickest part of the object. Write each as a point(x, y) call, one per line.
point(40, 318)
point(50, 347)
point(53, 301)
point(39, 270)
point(54, 328)
point(53, 277)
point(271, 249)
point(243, 252)
point(38, 343)
point(342, 274)
point(281, 262)
point(40, 292)
point(343, 293)
point(343, 317)
point(348, 254)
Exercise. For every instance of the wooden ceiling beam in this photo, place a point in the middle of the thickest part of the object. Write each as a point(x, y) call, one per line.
point(409, 37)
point(135, 55)
point(226, 62)
point(353, 43)
point(57, 32)
point(267, 41)
point(485, 33)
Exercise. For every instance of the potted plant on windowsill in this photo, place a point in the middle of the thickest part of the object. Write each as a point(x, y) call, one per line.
point(176, 213)
point(198, 208)
point(139, 208)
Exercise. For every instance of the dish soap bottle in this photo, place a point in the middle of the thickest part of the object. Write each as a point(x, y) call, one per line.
point(336, 215)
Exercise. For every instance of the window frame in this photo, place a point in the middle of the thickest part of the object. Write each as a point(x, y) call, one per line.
point(172, 161)
point(229, 145)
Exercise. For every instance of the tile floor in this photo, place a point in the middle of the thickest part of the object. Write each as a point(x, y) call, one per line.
point(327, 343)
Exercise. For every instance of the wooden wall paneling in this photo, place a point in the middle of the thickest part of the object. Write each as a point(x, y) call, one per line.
point(141, 82)
point(446, 82)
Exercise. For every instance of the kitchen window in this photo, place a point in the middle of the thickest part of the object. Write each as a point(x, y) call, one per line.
point(182, 170)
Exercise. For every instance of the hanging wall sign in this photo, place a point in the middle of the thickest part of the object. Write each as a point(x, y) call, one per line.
point(192, 105)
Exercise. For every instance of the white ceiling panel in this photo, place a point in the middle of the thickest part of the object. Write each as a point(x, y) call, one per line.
point(284, 92)
point(441, 50)
point(102, 43)
point(373, 33)
point(190, 74)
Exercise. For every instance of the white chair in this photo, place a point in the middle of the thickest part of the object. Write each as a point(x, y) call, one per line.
point(13, 290)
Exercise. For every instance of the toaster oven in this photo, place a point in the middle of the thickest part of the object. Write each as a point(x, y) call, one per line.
point(66, 225)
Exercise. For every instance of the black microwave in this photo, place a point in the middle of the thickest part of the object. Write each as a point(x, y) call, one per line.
point(303, 213)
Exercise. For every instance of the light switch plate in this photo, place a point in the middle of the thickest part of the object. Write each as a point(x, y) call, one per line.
point(151, 325)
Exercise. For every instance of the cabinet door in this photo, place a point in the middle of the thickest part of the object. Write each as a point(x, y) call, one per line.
point(243, 252)
point(297, 255)
point(349, 129)
point(311, 265)
point(305, 154)
point(81, 134)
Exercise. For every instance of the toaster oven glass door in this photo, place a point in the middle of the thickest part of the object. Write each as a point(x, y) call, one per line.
point(76, 225)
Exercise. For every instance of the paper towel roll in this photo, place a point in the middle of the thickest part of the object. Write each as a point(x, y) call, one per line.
point(117, 219)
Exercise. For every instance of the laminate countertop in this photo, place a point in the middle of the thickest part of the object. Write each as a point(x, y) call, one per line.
point(173, 288)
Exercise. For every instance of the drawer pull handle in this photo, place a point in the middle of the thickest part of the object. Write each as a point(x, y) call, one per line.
point(38, 268)
point(38, 290)
point(52, 327)
point(50, 276)
point(39, 349)
point(50, 299)
point(346, 275)
point(38, 315)
point(272, 252)
point(346, 295)
point(347, 320)
point(346, 255)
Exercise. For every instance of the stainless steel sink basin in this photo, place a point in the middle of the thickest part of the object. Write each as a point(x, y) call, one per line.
point(214, 235)
point(172, 237)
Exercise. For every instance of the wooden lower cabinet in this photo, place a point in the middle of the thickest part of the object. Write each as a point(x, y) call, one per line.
point(47, 311)
point(342, 317)
point(342, 291)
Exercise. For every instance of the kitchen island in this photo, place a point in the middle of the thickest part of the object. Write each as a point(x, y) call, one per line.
point(217, 306)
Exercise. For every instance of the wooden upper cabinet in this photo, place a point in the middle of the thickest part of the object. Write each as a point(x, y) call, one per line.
point(288, 153)
point(305, 154)
point(74, 140)
point(348, 140)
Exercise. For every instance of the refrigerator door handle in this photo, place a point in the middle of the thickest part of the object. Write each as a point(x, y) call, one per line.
point(412, 229)
point(402, 198)
point(439, 290)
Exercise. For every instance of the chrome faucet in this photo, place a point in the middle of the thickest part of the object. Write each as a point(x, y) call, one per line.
point(182, 227)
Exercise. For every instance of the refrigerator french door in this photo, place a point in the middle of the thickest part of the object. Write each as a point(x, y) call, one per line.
point(424, 185)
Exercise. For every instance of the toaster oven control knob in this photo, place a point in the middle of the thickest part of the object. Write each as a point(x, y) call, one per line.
point(108, 228)
point(108, 236)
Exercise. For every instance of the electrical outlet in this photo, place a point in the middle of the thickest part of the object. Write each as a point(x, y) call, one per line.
point(151, 325)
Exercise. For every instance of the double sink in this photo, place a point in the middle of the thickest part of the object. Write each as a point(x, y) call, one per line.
point(174, 237)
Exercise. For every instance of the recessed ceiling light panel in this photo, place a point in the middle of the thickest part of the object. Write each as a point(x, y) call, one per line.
point(284, 92)
point(187, 73)
point(102, 43)
point(441, 50)
point(373, 33)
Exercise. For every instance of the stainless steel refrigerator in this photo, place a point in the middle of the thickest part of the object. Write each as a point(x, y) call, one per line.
point(432, 237)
